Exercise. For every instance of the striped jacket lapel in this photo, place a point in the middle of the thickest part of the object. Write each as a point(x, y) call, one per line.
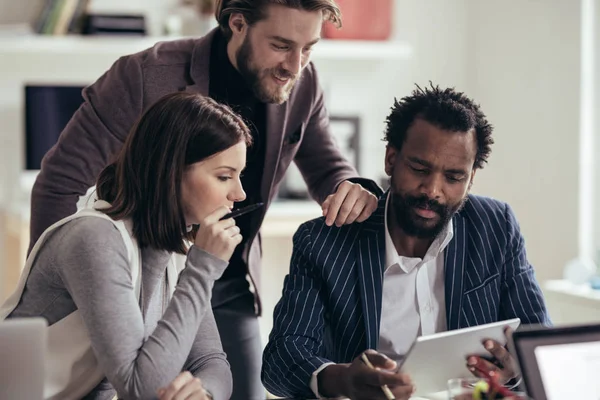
point(454, 266)
point(370, 263)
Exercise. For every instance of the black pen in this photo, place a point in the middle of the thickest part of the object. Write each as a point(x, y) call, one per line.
point(242, 211)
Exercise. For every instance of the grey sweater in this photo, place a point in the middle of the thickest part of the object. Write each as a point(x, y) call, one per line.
point(141, 346)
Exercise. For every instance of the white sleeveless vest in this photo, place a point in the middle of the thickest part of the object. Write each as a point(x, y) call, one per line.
point(71, 369)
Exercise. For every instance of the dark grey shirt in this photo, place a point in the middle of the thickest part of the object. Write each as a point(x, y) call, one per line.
point(141, 346)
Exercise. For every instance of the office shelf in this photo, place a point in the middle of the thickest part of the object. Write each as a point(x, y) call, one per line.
point(113, 45)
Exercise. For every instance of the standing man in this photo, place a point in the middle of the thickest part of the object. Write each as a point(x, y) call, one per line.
point(258, 62)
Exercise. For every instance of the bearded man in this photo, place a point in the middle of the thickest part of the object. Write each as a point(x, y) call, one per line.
point(431, 258)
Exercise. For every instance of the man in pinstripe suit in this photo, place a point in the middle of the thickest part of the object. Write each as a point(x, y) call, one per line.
point(431, 258)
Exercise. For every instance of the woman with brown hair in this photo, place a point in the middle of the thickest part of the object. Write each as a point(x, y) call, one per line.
point(121, 316)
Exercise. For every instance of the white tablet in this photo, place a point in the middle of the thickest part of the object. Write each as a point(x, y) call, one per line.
point(433, 360)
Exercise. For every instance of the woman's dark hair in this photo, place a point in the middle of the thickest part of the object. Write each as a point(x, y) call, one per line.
point(144, 182)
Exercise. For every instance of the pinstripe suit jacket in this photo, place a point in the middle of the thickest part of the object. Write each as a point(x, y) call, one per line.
point(331, 304)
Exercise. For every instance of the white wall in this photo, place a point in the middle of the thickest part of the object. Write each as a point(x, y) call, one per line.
point(596, 126)
point(523, 67)
point(520, 60)
point(436, 32)
point(437, 29)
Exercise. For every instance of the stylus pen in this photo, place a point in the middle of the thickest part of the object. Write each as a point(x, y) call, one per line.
point(386, 390)
point(242, 211)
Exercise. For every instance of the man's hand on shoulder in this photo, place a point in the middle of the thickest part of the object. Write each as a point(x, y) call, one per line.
point(350, 203)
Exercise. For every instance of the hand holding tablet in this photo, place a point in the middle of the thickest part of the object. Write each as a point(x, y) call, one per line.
point(433, 360)
point(501, 363)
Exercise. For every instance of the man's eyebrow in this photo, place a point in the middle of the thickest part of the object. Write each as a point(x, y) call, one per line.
point(419, 161)
point(291, 42)
point(454, 171)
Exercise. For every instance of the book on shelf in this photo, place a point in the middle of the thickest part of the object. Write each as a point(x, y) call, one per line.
point(59, 17)
point(109, 24)
point(64, 17)
point(77, 22)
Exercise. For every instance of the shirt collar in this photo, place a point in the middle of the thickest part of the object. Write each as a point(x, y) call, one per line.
point(437, 246)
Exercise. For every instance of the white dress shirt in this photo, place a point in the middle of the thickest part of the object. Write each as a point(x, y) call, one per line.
point(413, 302)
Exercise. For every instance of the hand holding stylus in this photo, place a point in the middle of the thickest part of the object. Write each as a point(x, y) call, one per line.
point(384, 388)
point(371, 376)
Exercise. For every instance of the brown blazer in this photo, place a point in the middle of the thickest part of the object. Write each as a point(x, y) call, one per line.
point(296, 130)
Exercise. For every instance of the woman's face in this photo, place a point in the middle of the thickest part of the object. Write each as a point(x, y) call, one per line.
point(213, 183)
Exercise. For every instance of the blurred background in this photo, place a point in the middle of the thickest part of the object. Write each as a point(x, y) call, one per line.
point(532, 65)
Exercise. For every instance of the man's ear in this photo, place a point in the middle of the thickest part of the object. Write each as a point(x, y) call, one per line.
point(390, 159)
point(471, 179)
point(237, 23)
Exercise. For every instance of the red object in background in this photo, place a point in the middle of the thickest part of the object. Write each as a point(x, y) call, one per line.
point(362, 20)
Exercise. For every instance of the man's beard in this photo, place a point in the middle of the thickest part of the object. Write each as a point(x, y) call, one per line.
point(413, 224)
point(255, 77)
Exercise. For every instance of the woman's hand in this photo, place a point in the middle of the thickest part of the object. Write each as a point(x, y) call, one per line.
point(218, 238)
point(184, 387)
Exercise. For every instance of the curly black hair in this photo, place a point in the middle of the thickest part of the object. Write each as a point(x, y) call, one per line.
point(444, 108)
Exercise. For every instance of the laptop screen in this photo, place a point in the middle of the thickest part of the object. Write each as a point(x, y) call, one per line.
point(560, 363)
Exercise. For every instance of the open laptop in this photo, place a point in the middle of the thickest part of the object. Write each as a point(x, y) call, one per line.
point(559, 363)
point(22, 348)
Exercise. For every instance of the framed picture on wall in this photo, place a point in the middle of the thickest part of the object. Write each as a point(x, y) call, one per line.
point(346, 131)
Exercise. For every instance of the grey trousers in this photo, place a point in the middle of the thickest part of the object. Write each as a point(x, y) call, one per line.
point(240, 335)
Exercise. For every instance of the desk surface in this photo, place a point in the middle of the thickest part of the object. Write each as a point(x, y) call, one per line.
point(436, 396)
